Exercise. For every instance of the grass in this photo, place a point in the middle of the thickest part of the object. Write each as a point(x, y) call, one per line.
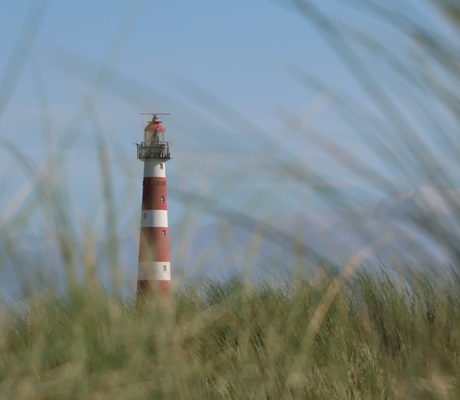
point(379, 339)
point(336, 334)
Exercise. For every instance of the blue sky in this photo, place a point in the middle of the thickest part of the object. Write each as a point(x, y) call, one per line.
point(225, 72)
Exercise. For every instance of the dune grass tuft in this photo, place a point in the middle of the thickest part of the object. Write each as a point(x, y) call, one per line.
point(379, 339)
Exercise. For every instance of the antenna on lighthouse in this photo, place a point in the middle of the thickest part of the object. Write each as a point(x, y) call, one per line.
point(154, 114)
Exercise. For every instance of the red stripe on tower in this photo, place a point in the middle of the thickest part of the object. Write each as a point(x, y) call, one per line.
point(154, 267)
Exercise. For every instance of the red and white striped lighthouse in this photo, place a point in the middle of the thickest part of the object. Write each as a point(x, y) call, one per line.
point(154, 267)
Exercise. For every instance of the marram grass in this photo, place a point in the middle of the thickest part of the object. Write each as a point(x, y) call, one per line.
point(368, 336)
point(379, 339)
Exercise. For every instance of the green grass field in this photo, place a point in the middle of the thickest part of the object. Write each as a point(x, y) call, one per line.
point(375, 339)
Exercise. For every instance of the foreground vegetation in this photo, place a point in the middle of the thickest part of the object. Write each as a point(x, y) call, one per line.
point(376, 339)
point(346, 335)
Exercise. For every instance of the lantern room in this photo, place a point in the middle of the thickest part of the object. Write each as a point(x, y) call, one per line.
point(154, 144)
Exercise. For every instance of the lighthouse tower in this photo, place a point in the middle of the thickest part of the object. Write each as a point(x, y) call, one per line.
point(154, 268)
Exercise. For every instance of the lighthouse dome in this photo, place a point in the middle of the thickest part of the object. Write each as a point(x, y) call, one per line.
point(155, 125)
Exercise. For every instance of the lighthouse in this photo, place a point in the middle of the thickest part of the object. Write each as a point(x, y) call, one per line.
point(154, 267)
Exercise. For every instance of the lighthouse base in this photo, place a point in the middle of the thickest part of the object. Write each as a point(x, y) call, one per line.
point(149, 287)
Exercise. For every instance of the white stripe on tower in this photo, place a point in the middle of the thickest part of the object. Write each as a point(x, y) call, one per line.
point(154, 218)
point(154, 168)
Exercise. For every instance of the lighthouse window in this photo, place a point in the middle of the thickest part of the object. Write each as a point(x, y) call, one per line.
point(162, 199)
point(165, 268)
point(163, 232)
point(161, 165)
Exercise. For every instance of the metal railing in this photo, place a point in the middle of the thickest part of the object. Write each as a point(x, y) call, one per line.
point(155, 149)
